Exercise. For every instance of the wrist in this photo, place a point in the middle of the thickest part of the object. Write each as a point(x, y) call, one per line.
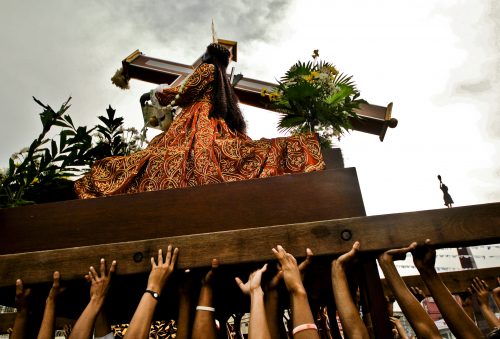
point(299, 293)
point(97, 301)
point(427, 271)
point(154, 288)
point(256, 292)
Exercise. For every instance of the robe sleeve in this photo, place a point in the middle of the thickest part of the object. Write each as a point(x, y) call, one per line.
point(195, 86)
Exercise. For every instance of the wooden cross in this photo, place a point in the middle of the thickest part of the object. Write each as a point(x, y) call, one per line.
point(373, 119)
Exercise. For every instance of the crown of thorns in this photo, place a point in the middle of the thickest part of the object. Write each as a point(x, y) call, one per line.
point(219, 51)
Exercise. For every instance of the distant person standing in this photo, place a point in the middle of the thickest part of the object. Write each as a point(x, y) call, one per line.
point(446, 196)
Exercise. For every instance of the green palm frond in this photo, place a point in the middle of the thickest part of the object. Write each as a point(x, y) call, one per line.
point(297, 70)
point(314, 96)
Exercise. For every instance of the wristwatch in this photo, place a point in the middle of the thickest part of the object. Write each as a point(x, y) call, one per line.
point(153, 293)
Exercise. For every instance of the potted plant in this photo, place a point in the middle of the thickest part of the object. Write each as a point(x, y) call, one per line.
point(315, 97)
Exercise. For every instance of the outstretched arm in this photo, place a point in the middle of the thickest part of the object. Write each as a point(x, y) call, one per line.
point(424, 258)
point(420, 321)
point(303, 321)
point(348, 312)
point(47, 328)
point(271, 301)
point(258, 327)
point(22, 306)
point(99, 287)
point(141, 321)
point(204, 319)
point(189, 91)
point(481, 290)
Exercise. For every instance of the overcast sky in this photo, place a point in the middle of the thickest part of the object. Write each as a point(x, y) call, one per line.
point(438, 61)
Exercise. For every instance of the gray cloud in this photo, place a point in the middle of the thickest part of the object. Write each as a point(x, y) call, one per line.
point(54, 49)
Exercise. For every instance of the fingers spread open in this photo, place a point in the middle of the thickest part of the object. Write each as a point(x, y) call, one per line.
point(174, 256)
point(160, 257)
point(113, 267)
point(102, 267)
point(168, 256)
point(93, 273)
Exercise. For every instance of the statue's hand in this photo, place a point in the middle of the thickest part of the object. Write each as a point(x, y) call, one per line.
point(145, 97)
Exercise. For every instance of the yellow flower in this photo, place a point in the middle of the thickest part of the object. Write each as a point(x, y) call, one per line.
point(308, 78)
point(274, 96)
point(264, 92)
point(314, 74)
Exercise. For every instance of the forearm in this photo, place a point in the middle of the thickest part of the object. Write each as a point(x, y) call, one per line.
point(84, 326)
point(348, 313)
point(204, 321)
point(140, 324)
point(47, 328)
point(301, 314)
point(183, 322)
point(489, 316)
point(102, 326)
point(20, 323)
point(271, 306)
point(258, 327)
point(456, 319)
point(419, 319)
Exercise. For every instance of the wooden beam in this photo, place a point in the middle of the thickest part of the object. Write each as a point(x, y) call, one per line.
point(470, 225)
point(202, 209)
point(457, 282)
point(374, 119)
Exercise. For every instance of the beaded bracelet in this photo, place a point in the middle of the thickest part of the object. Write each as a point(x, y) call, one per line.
point(205, 308)
point(303, 327)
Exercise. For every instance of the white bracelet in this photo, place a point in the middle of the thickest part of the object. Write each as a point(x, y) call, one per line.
point(205, 308)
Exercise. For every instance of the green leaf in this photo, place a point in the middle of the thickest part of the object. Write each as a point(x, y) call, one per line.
point(69, 120)
point(344, 92)
point(54, 148)
point(12, 166)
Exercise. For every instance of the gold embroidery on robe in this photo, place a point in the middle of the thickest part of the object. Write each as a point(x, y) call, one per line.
point(199, 150)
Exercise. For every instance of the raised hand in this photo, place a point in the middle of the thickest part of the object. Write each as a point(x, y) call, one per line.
point(208, 279)
point(398, 253)
point(163, 270)
point(347, 257)
point(99, 285)
point(424, 257)
point(254, 281)
point(481, 289)
point(22, 295)
point(291, 272)
point(47, 326)
point(100, 281)
point(22, 304)
point(273, 283)
point(56, 287)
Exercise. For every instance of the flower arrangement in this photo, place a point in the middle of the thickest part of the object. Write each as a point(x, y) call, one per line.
point(315, 97)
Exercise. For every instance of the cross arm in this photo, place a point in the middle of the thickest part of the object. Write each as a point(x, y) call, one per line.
point(373, 119)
